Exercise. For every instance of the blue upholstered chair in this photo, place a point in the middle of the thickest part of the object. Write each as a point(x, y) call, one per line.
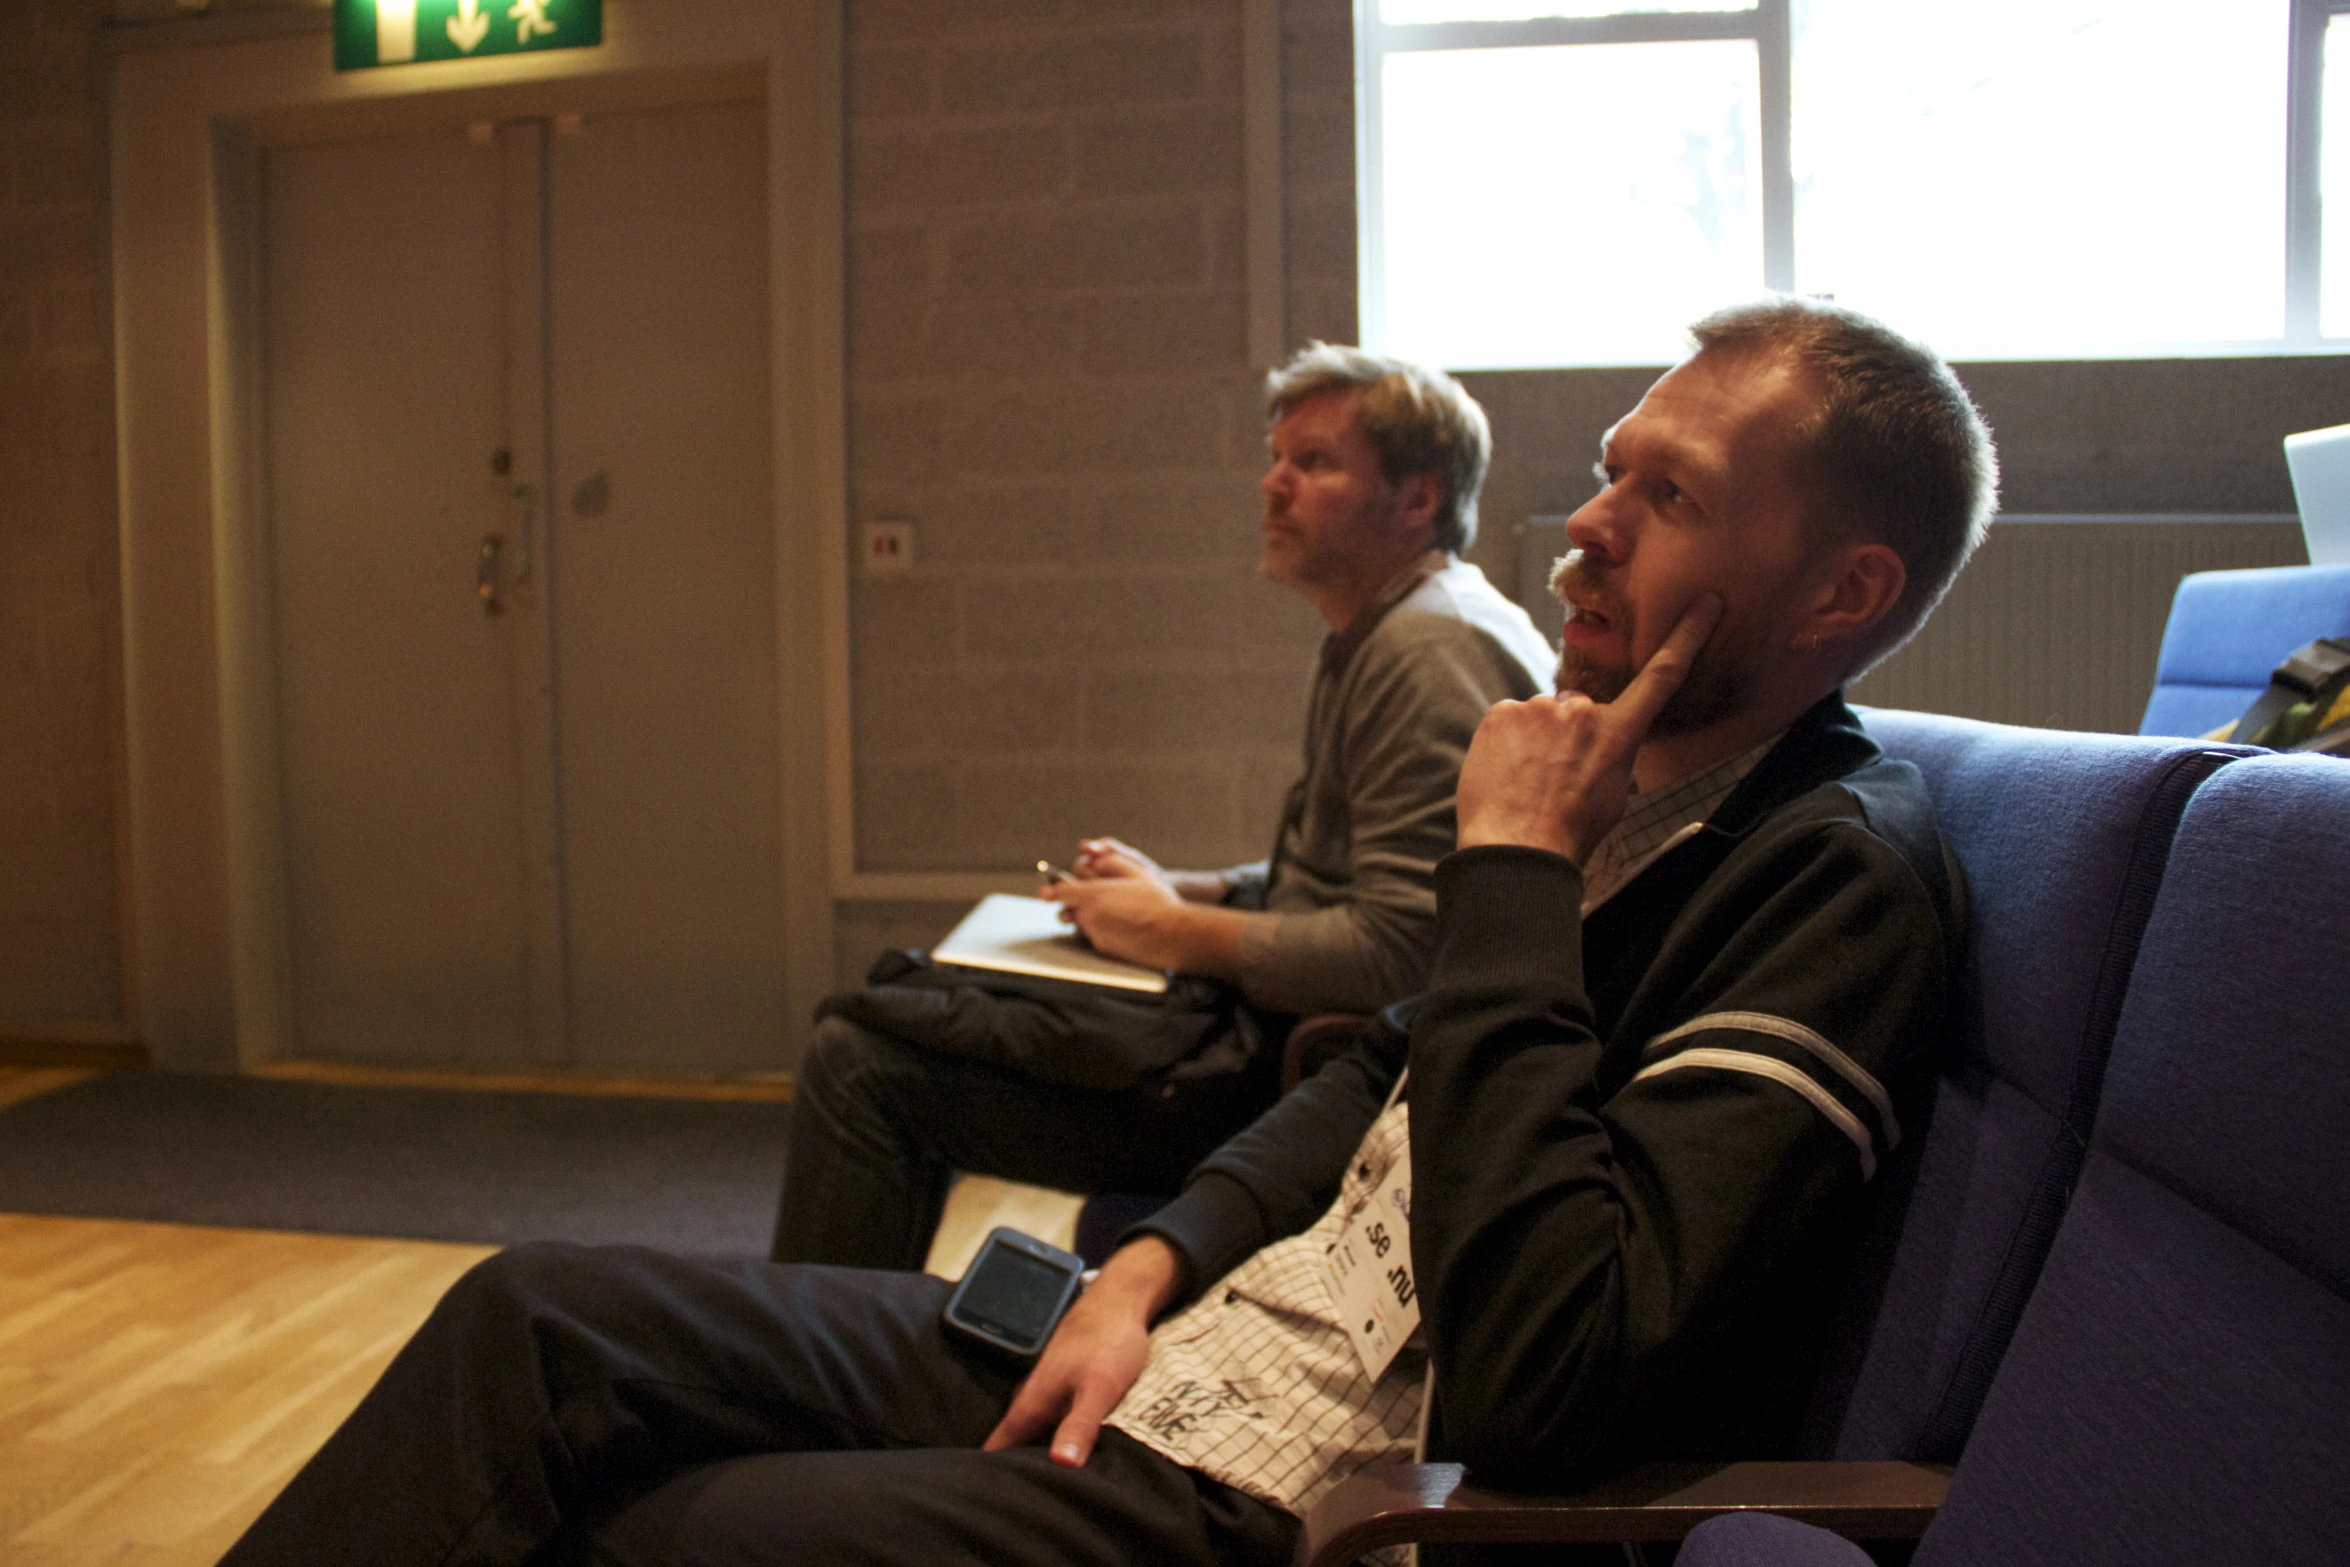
point(2228, 630)
point(2064, 838)
point(2178, 1390)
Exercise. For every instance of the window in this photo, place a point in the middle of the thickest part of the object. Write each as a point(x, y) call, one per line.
point(1569, 182)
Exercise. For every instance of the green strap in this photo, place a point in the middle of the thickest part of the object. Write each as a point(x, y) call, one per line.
point(2301, 690)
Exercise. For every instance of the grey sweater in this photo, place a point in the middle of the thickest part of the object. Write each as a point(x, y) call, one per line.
point(1347, 903)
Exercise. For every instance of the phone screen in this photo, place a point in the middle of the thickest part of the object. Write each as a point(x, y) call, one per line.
point(1012, 1294)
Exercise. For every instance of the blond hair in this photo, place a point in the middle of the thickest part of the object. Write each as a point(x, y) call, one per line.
point(1418, 420)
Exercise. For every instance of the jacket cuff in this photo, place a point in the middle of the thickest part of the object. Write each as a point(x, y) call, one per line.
point(1245, 885)
point(1214, 1226)
point(1497, 904)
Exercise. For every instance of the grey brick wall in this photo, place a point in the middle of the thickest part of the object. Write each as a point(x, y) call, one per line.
point(60, 626)
point(1318, 166)
point(1048, 376)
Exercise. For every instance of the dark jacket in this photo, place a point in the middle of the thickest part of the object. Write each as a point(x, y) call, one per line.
point(1639, 1146)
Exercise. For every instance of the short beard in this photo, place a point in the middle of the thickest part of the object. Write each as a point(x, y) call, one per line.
point(1718, 685)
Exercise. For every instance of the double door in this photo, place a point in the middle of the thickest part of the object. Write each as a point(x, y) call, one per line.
point(524, 593)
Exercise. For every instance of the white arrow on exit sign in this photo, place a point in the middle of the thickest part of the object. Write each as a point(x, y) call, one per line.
point(468, 27)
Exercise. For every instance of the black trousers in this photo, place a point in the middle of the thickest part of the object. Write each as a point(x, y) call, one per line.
point(568, 1405)
point(880, 1125)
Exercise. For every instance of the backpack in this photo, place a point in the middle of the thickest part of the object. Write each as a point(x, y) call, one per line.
point(2306, 706)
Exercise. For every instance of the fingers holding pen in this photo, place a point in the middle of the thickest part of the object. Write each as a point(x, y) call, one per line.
point(1096, 860)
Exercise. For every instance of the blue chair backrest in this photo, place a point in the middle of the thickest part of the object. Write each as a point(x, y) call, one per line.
point(2063, 838)
point(2228, 630)
point(2179, 1388)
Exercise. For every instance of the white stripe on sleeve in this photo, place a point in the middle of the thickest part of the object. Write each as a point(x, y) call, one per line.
point(1778, 1071)
point(1796, 1034)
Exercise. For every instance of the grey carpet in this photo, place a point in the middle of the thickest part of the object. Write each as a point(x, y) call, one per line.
point(429, 1164)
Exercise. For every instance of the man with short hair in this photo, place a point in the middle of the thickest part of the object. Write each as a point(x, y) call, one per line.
point(1696, 949)
point(1369, 500)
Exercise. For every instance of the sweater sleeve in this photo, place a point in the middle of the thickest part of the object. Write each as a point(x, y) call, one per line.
point(1413, 705)
point(1598, 1271)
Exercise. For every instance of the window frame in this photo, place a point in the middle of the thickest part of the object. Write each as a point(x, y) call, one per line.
point(1767, 24)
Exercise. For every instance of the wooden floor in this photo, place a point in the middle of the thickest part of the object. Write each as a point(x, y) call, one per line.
point(159, 1383)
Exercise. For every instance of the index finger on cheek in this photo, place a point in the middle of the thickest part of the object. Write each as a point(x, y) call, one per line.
point(1687, 638)
point(1669, 665)
point(1697, 622)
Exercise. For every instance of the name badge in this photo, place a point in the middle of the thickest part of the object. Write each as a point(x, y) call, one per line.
point(1369, 1271)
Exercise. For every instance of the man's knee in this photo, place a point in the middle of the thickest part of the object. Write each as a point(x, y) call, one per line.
point(505, 1281)
point(576, 1306)
point(847, 1061)
point(524, 1283)
point(858, 1079)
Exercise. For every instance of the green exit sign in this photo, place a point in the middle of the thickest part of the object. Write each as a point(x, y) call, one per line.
point(399, 32)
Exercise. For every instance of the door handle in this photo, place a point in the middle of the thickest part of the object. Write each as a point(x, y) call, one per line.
point(485, 580)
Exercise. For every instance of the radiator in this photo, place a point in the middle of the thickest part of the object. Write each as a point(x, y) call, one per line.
point(2056, 621)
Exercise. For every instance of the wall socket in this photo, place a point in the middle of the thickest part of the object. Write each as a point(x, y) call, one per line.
point(885, 548)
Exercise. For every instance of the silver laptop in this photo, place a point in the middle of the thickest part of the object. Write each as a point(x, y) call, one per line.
point(2320, 463)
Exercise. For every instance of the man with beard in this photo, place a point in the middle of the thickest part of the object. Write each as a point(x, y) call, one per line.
point(1696, 949)
point(1370, 497)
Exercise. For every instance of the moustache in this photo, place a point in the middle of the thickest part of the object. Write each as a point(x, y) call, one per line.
point(1575, 582)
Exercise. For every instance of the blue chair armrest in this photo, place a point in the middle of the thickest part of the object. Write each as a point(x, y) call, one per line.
point(1766, 1540)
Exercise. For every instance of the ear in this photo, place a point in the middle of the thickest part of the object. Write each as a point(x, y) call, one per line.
point(1417, 497)
point(1858, 587)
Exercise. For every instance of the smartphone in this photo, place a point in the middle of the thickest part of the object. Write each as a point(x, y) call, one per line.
point(1014, 1292)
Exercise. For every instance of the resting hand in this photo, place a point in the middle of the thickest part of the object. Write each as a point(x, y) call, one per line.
point(1125, 916)
point(1094, 1356)
point(1554, 773)
point(1149, 923)
point(1119, 900)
